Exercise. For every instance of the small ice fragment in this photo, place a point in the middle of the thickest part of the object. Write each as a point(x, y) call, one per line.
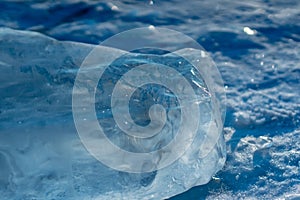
point(114, 7)
point(151, 27)
point(249, 31)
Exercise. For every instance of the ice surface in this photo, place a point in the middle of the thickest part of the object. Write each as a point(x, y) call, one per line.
point(260, 71)
point(40, 153)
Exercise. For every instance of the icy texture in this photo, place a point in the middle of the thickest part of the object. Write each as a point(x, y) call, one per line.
point(260, 70)
point(40, 153)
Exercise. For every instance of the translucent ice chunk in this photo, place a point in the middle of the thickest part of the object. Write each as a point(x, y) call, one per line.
point(41, 155)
